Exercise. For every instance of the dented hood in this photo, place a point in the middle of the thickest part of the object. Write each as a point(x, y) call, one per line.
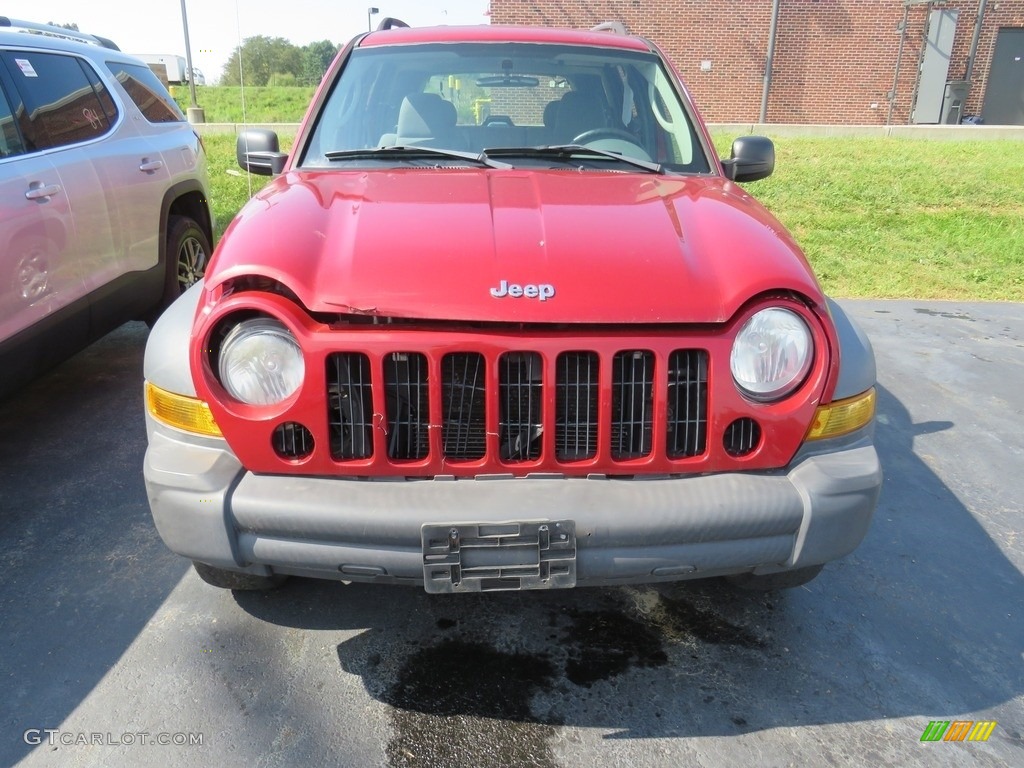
point(558, 246)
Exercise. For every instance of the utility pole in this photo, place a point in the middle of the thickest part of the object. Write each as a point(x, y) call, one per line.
point(772, 30)
point(195, 112)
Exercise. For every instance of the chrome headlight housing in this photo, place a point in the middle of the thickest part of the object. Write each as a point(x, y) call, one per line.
point(771, 355)
point(260, 362)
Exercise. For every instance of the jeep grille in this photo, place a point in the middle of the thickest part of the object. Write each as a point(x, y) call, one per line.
point(513, 388)
point(350, 406)
point(463, 426)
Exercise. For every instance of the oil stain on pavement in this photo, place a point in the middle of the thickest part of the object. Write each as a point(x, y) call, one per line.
point(471, 692)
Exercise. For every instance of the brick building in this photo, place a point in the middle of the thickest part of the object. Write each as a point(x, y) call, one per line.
point(835, 61)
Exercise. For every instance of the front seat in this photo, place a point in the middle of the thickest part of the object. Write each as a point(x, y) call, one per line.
point(577, 113)
point(427, 120)
point(550, 120)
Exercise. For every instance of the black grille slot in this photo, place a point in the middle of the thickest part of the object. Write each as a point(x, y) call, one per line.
point(687, 403)
point(405, 389)
point(632, 404)
point(292, 441)
point(520, 423)
point(349, 406)
point(462, 393)
point(576, 406)
point(742, 437)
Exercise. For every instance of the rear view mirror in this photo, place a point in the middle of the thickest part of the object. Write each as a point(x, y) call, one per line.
point(258, 151)
point(753, 158)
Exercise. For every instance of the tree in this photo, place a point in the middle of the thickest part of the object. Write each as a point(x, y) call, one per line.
point(72, 26)
point(316, 58)
point(260, 58)
point(279, 79)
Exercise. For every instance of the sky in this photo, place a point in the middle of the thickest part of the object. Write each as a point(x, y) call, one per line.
point(216, 27)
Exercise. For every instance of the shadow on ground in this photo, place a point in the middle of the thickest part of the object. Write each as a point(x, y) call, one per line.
point(83, 568)
point(922, 620)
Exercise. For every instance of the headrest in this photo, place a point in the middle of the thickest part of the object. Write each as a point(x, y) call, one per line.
point(579, 112)
point(424, 115)
point(551, 113)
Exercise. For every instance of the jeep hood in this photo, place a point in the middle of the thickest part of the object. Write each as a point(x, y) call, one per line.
point(459, 244)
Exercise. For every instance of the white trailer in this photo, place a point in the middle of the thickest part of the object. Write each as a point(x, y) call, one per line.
point(174, 66)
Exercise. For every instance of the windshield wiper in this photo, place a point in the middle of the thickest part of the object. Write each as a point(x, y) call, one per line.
point(568, 151)
point(412, 153)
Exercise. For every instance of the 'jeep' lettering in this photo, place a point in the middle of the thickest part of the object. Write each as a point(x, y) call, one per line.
point(543, 292)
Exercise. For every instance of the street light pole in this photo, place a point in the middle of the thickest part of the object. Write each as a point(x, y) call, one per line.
point(369, 12)
point(195, 113)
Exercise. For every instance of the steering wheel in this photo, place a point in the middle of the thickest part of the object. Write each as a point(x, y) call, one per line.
point(595, 134)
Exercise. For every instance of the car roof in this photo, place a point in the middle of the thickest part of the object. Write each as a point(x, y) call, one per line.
point(50, 36)
point(40, 42)
point(497, 33)
point(49, 42)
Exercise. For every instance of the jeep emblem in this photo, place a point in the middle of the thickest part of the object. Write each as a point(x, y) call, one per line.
point(544, 291)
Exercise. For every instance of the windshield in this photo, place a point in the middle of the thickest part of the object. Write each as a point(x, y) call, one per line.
point(475, 97)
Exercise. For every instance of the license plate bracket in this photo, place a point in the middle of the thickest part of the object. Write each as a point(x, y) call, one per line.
point(490, 557)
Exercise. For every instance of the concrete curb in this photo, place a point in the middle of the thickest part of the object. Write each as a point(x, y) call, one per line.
point(935, 132)
point(204, 129)
point(941, 132)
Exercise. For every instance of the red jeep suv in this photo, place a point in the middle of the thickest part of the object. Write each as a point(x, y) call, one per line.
point(503, 320)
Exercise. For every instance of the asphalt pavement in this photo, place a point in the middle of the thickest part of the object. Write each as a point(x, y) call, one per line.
point(115, 653)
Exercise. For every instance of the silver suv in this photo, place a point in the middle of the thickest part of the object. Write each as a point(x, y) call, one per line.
point(104, 214)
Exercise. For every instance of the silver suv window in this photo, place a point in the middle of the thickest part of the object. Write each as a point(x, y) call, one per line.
point(10, 139)
point(65, 103)
point(144, 88)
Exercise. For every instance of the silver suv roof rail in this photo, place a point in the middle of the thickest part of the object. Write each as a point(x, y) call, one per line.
point(51, 31)
point(611, 26)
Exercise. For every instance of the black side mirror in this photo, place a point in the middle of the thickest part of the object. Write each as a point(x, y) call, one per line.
point(258, 151)
point(753, 158)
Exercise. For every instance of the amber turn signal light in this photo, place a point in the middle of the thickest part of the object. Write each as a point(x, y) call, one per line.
point(185, 413)
point(843, 416)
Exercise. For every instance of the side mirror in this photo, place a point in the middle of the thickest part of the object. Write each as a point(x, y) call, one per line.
point(753, 158)
point(258, 151)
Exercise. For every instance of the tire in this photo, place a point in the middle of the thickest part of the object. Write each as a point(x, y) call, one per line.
point(188, 252)
point(219, 577)
point(770, 582)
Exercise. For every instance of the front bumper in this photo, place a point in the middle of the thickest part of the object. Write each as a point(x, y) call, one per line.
point(207, 507)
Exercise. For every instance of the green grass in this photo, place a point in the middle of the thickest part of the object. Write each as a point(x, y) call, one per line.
point(903, 218)
point(269, 104)
point(230, 186)
point(881, 218)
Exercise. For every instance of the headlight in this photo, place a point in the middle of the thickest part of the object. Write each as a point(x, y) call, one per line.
point(260, 362)
point(771, 354)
